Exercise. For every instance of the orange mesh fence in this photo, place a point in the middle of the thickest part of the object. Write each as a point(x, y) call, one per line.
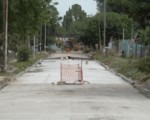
point(71, 73)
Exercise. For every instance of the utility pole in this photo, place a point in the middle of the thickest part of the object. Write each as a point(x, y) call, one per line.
point(5, 29)
point(99, 30)
point(45, 38)
point(123, 34)
point(34, 47)
point(104, 44)
point(41, 38)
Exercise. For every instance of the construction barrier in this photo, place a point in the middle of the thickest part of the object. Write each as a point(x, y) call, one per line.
point(70, 73)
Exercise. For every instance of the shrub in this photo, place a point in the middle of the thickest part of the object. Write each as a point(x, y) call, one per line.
point(86, 50)
point(24, 54)
point(144, 65)
point(59, 43)
point(76, 47)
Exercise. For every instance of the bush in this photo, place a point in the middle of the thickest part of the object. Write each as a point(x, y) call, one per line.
point(86, 50)
point(59, 43)
point(22, 65)
point(76, 47)
point(144, 65)
point(24, 54)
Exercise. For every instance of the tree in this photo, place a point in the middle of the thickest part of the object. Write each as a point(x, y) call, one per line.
point(100, 5)
point(139, 10)
point(67, 19)
point(115, 24)
point(26, 16)
point(144, 36)
point(73, 15)
point(77, 13)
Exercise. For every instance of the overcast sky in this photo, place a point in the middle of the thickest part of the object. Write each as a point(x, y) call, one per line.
point(89, 6)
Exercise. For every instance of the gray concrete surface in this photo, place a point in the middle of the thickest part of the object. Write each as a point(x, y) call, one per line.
point(3, 81)
point(108, 97)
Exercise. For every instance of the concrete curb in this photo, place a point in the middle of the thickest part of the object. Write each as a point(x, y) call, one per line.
point(7, 80)
point(21, 73)
point(130, 81)
point(3, 83)
point(105, 66)
point(141, 89)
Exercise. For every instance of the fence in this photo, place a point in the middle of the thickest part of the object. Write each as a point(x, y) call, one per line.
point(71, 73)
point(129, 48)
point(134, 49)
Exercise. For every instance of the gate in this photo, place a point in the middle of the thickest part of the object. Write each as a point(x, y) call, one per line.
point(71, 73)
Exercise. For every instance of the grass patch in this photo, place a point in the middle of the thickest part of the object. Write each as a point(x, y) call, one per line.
point(22, 65)
point(126, 66)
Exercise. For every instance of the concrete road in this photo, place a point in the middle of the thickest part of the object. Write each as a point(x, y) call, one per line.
point(108, 97)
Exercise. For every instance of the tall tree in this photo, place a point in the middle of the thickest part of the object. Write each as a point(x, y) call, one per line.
point(77, 12)
point(115, 24)
point(139, 10)
point(72, 15)
point(26, 16)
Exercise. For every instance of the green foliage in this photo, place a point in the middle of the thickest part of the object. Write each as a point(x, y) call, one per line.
point(115, 24)
point(26, 18)
point(51, 40)
point(14, 42)
point(23, 53)
point(100, 5)
point(60, 31)
point(76, 47)
point(72, 15)
point(144, 36)
point(86, 50)
point(77, 12)
point(136, 9)
point(127, 67)
point(27, 15)
point(89, 37)
point(77, 28)
point(59, 43)
point(144, 65)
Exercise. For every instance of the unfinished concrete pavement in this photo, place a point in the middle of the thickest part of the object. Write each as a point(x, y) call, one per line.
point(108, 97)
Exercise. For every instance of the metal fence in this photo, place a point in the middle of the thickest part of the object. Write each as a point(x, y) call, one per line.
point(130, 48)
